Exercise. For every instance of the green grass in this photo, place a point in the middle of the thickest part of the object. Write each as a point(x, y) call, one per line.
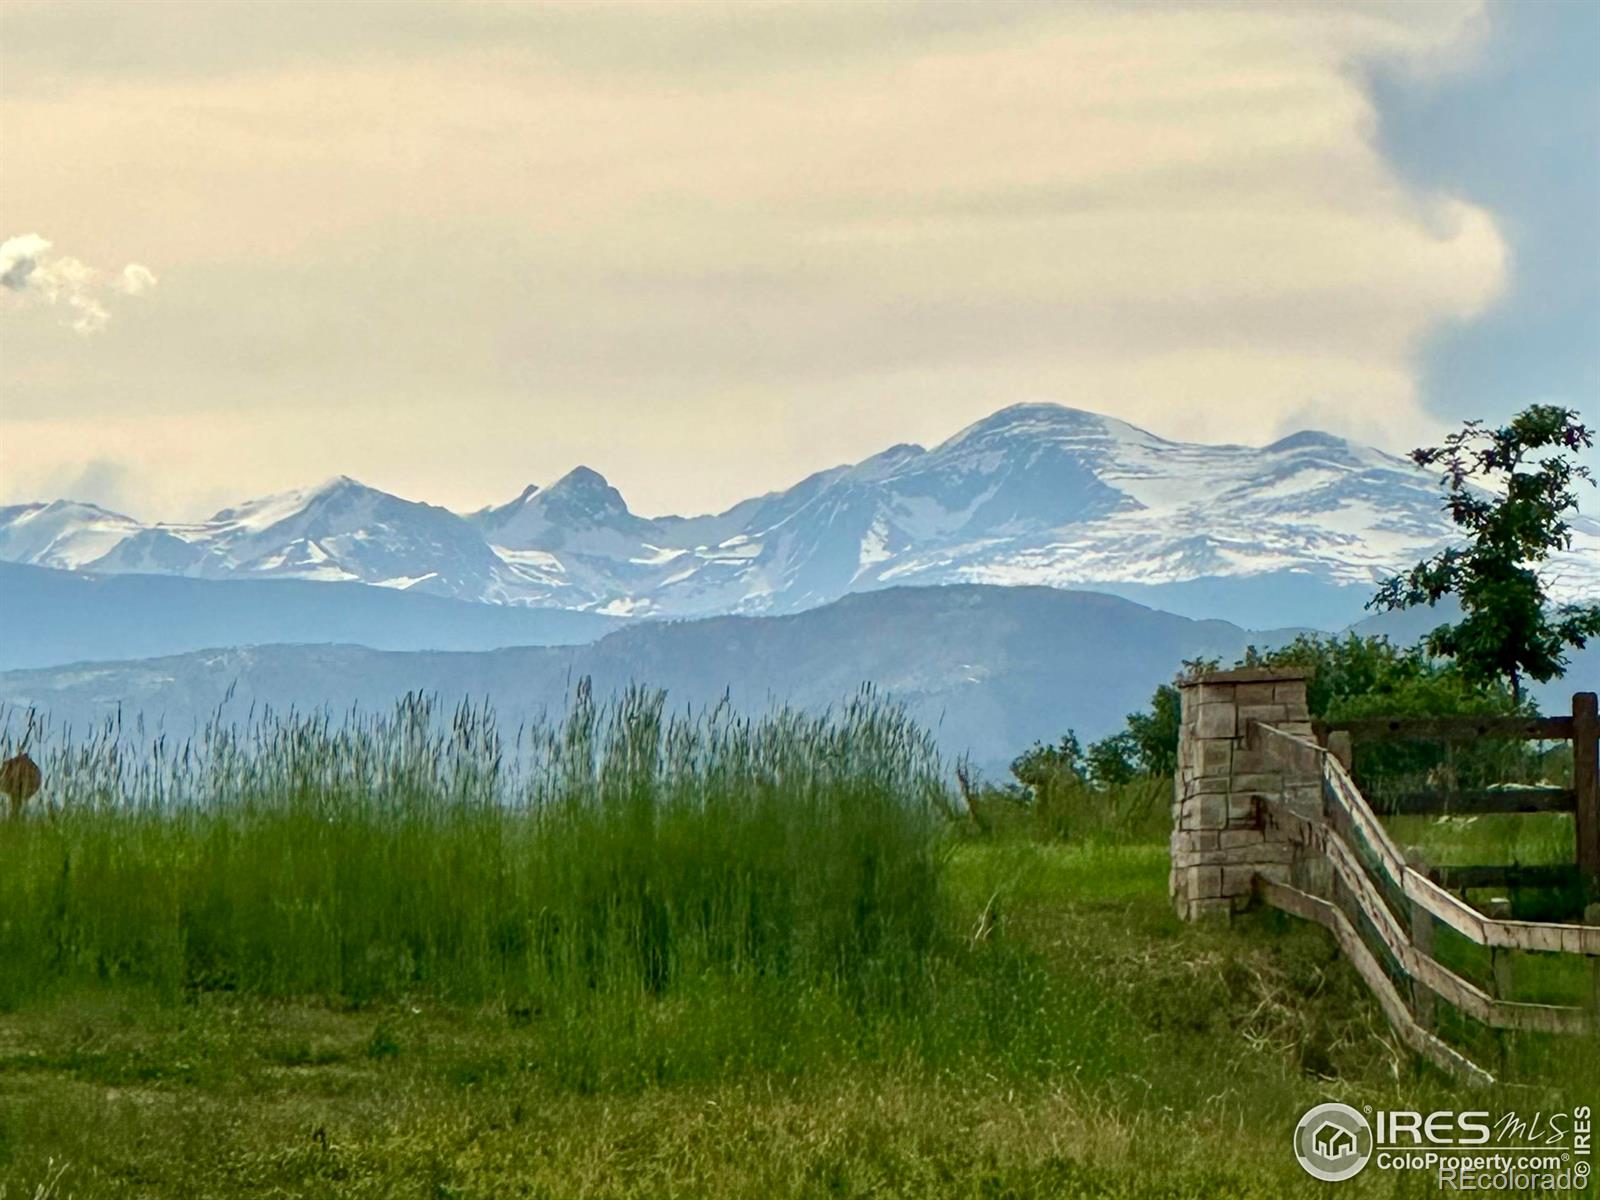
point(1074, 1039)
point(630, 852)
point(657, 956)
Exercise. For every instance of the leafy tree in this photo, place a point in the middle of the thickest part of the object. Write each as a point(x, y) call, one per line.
point(1509, 629)
point(1111, 761)
point(1155, 733)
point(1148, 745)
point(1040, 765)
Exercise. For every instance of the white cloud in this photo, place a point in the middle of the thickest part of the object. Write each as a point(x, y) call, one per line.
point(135, 280)
point(29, 271)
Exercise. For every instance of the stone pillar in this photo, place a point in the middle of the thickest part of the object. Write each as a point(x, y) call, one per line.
point(1220, 841)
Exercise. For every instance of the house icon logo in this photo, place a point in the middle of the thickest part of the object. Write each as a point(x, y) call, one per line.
point(1333, 1142)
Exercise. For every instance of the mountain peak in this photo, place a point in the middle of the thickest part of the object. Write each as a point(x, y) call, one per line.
point(1032, 418)
point(1308, 439)
point(580, 478)
point(1044, 423)
point(334, 487)
point(583, 491)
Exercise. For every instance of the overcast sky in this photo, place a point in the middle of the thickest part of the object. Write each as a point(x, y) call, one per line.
point(454, 248)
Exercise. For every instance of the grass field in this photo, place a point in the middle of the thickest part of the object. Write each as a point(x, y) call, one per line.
point(674, 957)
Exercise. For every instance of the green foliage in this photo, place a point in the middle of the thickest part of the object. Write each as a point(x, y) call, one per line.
point(1154, 734)
point(1509, 629)
point(1147, 747)
point(1041, 766)
point(1111, 760)
point(1064, 792)
point(1371, 677)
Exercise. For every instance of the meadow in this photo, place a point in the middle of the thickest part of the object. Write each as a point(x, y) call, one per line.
point(639, 952)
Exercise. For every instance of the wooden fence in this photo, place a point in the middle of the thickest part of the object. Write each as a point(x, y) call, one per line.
point(1348, 875)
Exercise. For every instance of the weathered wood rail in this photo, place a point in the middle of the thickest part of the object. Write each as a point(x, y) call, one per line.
point(1582, 729)
point(1265, 799)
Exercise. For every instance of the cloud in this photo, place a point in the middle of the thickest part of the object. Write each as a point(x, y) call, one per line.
point(135, 280)
point(30, 271)
point(709, 248)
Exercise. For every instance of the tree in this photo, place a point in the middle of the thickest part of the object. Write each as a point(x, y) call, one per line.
point(1354, 677)
point(1509, 629)
point(1111, 760)
point(1041, 765)
point(1155, 733)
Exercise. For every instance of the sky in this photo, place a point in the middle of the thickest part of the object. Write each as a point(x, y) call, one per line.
point(450, 249)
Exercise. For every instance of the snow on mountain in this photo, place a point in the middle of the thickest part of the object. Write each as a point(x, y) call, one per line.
point(64, 534)
point(1034, 494)
point(337, 531)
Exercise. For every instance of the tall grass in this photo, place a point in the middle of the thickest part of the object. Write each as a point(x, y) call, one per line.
point(620, 850)
point(1068, 808)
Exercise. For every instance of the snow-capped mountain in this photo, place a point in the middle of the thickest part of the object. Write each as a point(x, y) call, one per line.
point(337, 531)
point(62, 534)
point(1034, 494)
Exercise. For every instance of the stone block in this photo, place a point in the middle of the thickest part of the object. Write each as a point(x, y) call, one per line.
point(1267, 714)
point(1205, 882)
point(1292, 692)
point(1303, 795)
point(1236, 856)
point(1244, 809)
point(1216, 693)
point(1208, 811)
point(1257, 693)
point(1268, 783)
point(1230, 839)
point(1273, 852)
point(1209, 783)
point(1276, 872)
point(1236, 881)
point(1206, 910)
point(1253, 761)
point(1216, 757)
point(1217, 721)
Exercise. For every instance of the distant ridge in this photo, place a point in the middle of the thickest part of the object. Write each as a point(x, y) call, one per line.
point(49, 618)
point(989, 669)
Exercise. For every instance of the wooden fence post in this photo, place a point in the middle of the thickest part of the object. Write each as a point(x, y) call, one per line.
point(1591, 916)
point(1342, 748)
point(1586, 783)
point(1420, 927)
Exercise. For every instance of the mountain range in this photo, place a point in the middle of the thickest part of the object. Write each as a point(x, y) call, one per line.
point(1295, 532)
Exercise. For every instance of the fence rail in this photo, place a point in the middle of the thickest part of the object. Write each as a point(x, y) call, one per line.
point(1481, 800)
point(1582, 729)
point(1380, 907)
